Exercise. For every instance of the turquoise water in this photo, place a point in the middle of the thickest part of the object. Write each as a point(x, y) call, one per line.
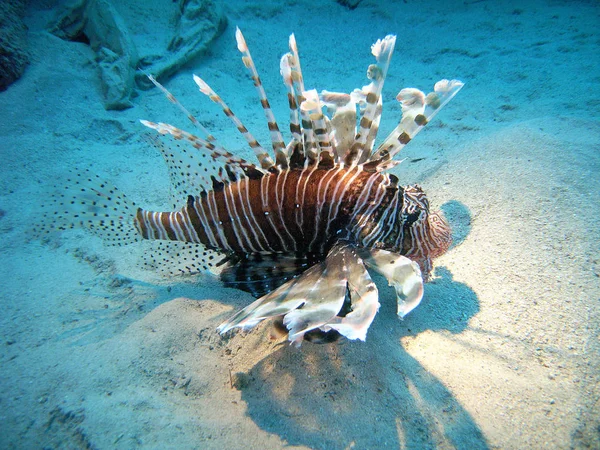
point(100, 352)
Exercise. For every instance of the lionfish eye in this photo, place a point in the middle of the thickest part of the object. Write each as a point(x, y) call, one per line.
point(412, 218)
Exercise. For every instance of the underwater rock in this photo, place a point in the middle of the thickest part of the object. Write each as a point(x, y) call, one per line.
point(98, 22)
point(13, 42)
point(350, 4)
point(199, 22)
point(126, 40)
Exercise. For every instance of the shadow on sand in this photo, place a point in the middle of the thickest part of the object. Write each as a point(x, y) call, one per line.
point(371, 394)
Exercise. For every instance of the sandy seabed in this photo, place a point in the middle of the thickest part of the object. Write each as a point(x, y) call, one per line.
point(504, 351)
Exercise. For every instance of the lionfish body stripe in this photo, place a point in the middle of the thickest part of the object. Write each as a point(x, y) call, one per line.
point(259, 215)
point(300, 228)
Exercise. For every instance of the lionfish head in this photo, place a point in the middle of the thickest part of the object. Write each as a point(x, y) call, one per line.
point(440, 232)
point(425, 234)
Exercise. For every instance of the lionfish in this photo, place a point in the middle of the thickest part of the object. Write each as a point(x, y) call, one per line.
point(300, 229)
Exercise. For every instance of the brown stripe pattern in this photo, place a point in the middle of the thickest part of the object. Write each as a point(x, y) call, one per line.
point(300, 211)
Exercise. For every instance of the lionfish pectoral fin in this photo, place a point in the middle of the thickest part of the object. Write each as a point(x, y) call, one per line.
point(314, 299)
point(402, 273)
point(306, 302)
point(364, 303)
point(280, 302)
point(262, 273)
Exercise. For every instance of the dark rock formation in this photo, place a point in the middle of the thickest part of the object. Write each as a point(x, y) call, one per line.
point(198, 23)
point(126, 41)
point(13, 42)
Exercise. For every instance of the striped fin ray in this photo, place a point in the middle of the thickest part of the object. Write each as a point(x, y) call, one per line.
point(311, 109)
point(370, 142)
point(382, 50)
point(286, 73)
point(311, 148)
point(263, 157)
point(216, 152)
point(296, 70)
point(342, 108)
point(314, 299)
point(208, 136)
point(276, 137)
point(297, 84)
point(417, 111)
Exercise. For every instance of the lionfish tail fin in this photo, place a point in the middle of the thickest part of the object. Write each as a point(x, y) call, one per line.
point(86, 201)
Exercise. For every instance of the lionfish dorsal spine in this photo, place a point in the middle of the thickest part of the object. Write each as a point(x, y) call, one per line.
point(311, 149)
point(382, 50)
point(302, 142)
point(418, 110)
point(297, 78)
point(313, 117)
point(208, 136)
point(276, 136)
point(216, 152)
point(263, 157)
point(286, 74)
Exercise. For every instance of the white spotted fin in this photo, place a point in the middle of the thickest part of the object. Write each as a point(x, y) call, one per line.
point(86, 200)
